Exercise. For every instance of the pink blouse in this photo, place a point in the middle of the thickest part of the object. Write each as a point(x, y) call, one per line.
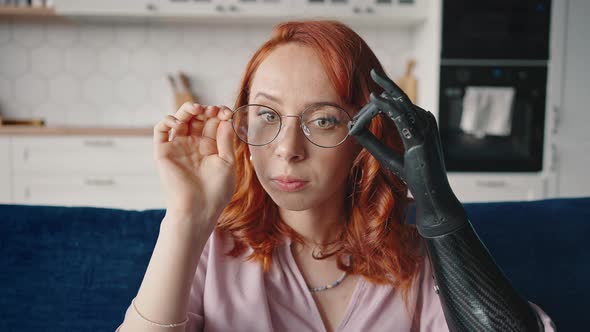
point(231, 294)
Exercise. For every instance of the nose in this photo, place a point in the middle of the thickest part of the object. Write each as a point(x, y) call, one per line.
point(290, 144)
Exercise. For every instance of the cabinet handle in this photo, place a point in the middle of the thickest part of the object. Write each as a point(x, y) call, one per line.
point(356, 10)
point(491, 183)
point(99, 143)
point(219, 8)
point(553, 166)
point(151, 7)
point(556, 119)
point(233, 8)
point(26, 154)
point(370, 10)
point(99, 182)
point(27, 193)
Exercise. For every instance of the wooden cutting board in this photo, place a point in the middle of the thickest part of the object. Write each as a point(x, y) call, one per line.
point(408, 81)
point(22, 122)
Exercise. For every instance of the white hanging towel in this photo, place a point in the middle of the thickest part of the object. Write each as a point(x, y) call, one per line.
point(487, 110)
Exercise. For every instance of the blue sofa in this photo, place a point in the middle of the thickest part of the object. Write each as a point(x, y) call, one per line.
point(77, 268)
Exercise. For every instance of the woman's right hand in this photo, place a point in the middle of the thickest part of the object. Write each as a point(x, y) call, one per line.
point(194, 153)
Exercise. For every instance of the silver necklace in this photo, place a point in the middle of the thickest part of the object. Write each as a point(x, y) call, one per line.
point(332, 285)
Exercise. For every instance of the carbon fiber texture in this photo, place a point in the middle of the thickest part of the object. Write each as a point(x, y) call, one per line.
point(474, 293)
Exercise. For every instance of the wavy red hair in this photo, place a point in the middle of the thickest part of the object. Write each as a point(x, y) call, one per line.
point(385, 247)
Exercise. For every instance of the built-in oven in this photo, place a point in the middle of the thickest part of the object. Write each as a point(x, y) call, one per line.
point(495, 29)
point(491, 116)
point(493, 78)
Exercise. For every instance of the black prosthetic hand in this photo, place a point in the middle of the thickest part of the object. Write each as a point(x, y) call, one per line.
point(474, 293)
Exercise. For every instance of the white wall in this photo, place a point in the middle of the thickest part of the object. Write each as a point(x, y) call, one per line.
point(115, 73)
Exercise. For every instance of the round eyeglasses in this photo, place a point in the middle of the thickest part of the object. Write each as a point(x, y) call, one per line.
point(324, 125)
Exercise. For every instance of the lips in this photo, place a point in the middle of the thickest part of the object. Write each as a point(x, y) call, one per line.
point(288, 183)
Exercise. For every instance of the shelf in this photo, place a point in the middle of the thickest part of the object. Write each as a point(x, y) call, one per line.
point(73, 130)
point(33, 14)
point(251, 12)
point(79, 11)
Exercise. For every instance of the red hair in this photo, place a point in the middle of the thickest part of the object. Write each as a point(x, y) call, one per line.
point(384, 247)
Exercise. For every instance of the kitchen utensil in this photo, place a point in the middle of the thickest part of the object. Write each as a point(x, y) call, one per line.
point(182, 92)
point(408, 82)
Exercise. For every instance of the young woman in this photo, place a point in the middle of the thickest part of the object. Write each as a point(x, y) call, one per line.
point(278, 219)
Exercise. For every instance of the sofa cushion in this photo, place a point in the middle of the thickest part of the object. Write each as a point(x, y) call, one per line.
point(72, 268)
point(77, 268)
point(540, 246)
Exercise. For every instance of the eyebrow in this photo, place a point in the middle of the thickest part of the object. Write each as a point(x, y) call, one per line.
point(267, 96)
point(276, 100)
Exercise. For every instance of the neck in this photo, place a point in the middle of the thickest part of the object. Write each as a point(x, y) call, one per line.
point(318, 226)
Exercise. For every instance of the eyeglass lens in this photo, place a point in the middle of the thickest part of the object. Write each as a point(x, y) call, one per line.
point(323, 125)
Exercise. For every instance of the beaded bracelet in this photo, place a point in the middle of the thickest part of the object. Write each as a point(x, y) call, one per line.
point(154, 323)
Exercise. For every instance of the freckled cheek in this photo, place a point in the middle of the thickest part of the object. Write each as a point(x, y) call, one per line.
point(334, 165)
point(261, 157)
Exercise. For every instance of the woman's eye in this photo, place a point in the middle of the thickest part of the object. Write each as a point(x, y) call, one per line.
point(268, 116)
point(325, 123)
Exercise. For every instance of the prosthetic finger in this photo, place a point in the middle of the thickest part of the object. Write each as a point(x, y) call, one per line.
point(362, 118)
point(386, 157)
point(388, 85)
point(404, 121)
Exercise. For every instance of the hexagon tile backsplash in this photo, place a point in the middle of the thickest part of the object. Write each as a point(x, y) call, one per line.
point(115, 74)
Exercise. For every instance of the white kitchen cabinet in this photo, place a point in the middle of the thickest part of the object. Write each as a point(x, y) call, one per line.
point(5, 171)
point(497, 187)
point(102, 171)
point(105, 7)
point(187, 8)
point(329, 8)
point(572, 138)
point(394, 12)
point(112, 191)
point(222, 8)
point(256, 8)
point(82, 155)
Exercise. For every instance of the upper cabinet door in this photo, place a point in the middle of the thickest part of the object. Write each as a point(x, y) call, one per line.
point(328, 8)
point(106, 7)
point(234, 10)
point(391, 12)
point(174, 8)
point(188, 7)
point(259, 8)
point(400, 12)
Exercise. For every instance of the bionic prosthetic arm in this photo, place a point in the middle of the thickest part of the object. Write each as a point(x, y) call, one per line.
point(474, 293)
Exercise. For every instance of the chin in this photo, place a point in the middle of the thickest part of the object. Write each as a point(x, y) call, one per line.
point(296, 201)
point(292, 204)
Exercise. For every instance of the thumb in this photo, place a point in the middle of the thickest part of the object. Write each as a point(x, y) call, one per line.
point(225, 146)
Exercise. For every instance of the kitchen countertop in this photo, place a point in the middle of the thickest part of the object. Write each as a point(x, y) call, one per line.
point(74, 130)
